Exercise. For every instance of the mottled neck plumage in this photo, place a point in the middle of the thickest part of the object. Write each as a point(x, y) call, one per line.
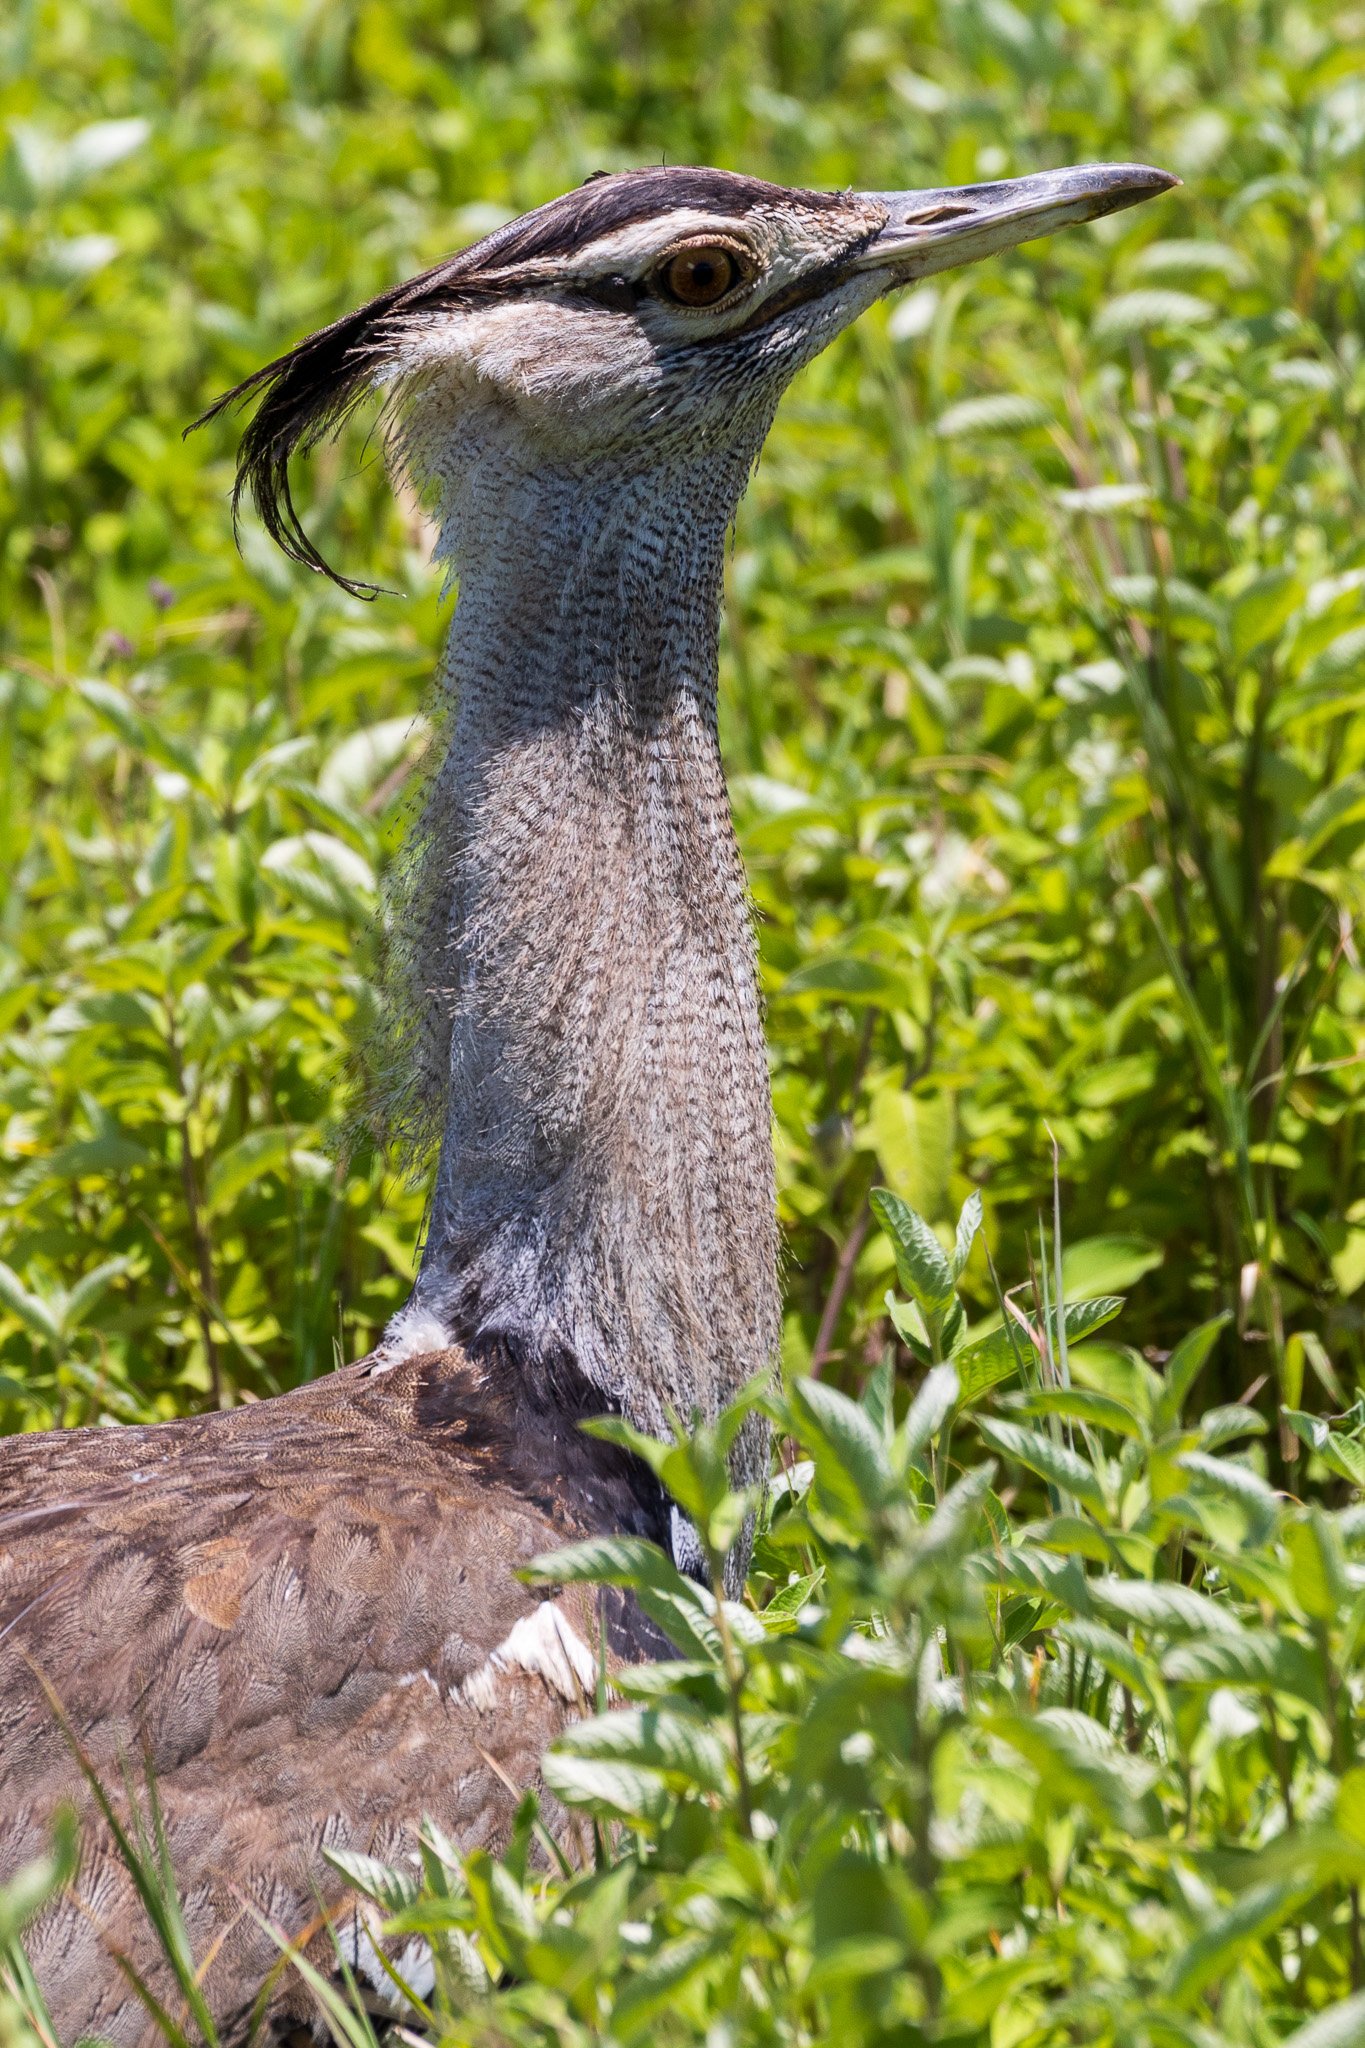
point(604, 1198)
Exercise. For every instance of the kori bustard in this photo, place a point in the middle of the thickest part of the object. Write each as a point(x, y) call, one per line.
point(304, 1615)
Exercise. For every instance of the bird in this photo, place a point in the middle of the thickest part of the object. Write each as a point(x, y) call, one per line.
point(301, 1621)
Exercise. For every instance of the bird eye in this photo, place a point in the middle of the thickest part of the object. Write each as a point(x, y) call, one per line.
point(701, 275)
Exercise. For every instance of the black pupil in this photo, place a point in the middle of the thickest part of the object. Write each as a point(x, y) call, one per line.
point(703, 278)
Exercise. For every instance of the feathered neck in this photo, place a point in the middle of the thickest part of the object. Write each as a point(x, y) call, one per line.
point(577, 947)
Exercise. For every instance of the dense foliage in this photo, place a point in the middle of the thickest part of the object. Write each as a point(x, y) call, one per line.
point(1044, 702)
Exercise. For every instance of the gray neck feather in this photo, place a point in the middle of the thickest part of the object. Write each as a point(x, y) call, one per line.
point(577, 938)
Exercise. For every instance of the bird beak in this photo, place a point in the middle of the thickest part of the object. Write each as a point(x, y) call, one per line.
point(931, 231)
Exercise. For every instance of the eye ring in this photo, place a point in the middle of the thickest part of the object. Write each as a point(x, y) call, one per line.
point(701, 274)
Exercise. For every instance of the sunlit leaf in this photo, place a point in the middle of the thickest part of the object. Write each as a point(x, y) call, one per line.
point(925, 1271)
point(1001, 412)
point(1135, 312)
point(1052, 1461)
point(1219, 1947)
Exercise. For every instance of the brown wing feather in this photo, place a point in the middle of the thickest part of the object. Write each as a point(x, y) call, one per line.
point(294, 1614)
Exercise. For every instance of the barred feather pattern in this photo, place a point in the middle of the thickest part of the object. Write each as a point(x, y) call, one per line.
point(300, 1623)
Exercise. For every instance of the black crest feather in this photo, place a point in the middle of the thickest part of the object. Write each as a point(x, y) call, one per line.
point(306, 395)
point(310, 391)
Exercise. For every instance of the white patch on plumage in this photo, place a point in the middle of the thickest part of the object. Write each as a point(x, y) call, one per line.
point(411, 1678)
point(543, 1644)
point(479, 1690)
point(412, 1331)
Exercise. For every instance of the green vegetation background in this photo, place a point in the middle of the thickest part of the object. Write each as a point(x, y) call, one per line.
point(1044, 705)
point(1044, 674)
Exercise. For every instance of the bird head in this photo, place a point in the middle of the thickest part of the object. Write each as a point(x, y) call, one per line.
point(648, 319)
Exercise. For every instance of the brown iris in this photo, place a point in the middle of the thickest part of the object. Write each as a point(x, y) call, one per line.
point(700, 276)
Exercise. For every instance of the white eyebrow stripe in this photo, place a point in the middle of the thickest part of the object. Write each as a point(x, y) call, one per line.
point(632, 247)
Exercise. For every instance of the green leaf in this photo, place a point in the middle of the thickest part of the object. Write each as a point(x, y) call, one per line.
point(1317, 1568)
point(122, 1010)
point(1106, 1265)
point(1172, 594)
point(322, 853)
point(1341, 2026)
point(1338, 806)
point(1341, 657)
point(1219, 1426)
point(506, 1916)
point(1192, 259)
point(650, 1683)
point(687, 1621)
point(616, 1791)
point(656, 1740)
point(1001, 412)
point(985, 1990)
point(91, 1289)
point(1134, 312)
point(1160, 1607)
point(365, 757)
point(968, 1223)
point(1256, 1659)
point(850, 1454)
point(1078, 1763)
point(854, 1959)
point(610, 1561)
point(617, 1429)
point(390, 1888)
point(252, 1157)
point(782, 1611)
point(877, 1399)
point(146, 736)
point(1344, 1455)
point(34, 1882)
point(108, 1153)
point(991, 1359)
point(1221, 1945)
point(1081, 1319)
point(952, 1527)
point(33, 1313)
point(1183, 1368)
point(1237, 1483)
point(933, 1402)
point(1052, 1461)
point(1262, 611)
point(1350, 1804)
point(921, 1262)
point(1072, 1536)
point(1115, 1653)
point(652, 1989)
point(1101, 1411)
point(911, 1134)
point(852, 980)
